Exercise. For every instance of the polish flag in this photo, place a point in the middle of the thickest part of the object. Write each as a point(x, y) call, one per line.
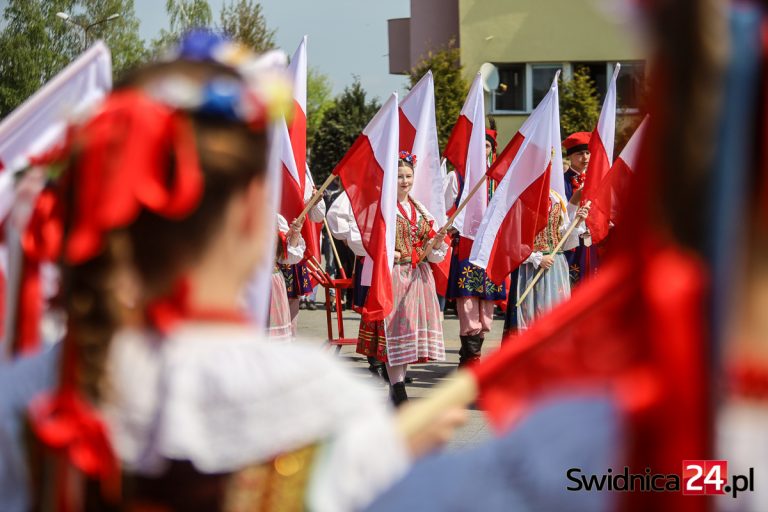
point(466, 151)
point(596, 187)
point(418, 134)
point(624, 168)
point(531, 165)
point(368, 173)
point(294, 153)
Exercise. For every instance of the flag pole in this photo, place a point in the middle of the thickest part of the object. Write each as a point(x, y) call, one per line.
point(431, 243)
point(554, 251)
point(317, 196)
point(333, 247)
point(460, 391)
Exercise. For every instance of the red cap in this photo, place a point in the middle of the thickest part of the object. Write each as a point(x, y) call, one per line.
point(576, 142)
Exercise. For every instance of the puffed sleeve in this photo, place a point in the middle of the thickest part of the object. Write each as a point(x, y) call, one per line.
point(317, 212)
point(341, 221)
point(573, 240)
point(294, 252)
point(535, 259)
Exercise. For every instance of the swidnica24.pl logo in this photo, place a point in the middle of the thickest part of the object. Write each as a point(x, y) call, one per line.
point(698, 477)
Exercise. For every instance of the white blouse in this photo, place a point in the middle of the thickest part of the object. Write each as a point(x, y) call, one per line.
point(294, 253)
point(217, 395)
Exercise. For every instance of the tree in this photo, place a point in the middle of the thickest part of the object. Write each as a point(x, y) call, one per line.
point(450, 87)
point(342, 123)
point(121, 34)
point(35, 44)
point(183, 15)
point(244, 21)
point(579, 103)
point(319, 100)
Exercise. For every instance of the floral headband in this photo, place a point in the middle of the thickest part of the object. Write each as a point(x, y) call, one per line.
point(407, 156)
point(263, 95)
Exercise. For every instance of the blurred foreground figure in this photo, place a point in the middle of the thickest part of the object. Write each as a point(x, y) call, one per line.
point(168, 399)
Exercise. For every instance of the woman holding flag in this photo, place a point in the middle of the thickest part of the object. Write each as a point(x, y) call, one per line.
point(412, 333)
point(554, 285)
point(290, 250)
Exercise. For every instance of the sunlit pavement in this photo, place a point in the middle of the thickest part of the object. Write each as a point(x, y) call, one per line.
point(312, 326)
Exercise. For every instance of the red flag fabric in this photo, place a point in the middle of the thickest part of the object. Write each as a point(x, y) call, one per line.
point(635, 331)
point(597, 186)
point(368, 173)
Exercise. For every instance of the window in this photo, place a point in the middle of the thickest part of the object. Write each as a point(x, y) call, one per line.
point(527, 84)
point(630, 85)
point(541, 79)
point(513, 99)
point(598, 72)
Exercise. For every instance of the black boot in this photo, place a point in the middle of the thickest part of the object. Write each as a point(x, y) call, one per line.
point(397, 393)
point(476, 345)
point(464, 351)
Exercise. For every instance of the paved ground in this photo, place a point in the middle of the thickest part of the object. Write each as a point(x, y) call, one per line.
point(312, 325)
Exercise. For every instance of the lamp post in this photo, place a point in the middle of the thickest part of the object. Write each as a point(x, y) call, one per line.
point(85, 26)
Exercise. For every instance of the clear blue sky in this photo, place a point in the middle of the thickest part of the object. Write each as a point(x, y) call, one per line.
point(346, 37)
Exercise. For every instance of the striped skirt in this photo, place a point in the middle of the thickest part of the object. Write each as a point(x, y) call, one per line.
point(553, 288)
point(412, 333)
point(279, 311)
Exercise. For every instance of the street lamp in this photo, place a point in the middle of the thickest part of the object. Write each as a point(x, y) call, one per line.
point(86, 27)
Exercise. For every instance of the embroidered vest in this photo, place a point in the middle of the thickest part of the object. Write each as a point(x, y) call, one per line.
point(549, 237)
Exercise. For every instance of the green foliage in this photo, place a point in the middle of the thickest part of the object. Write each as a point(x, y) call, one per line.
point(121, 34)
point(579, 103)
point(35, 44)
point(319, 100)
point(183, 15)
point(342, 123)
point(244, 21)
point(450, 87)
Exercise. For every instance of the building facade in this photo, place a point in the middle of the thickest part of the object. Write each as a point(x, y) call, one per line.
point(528, 41)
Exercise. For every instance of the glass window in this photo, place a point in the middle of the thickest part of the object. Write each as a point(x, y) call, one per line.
point(598, 72)
point(513, 76)
point(630, 85)
point(541, 78)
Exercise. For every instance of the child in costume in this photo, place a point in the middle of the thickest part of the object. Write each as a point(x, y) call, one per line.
point(290, 250)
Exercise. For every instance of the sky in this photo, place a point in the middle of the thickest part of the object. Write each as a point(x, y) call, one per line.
point(346, 37)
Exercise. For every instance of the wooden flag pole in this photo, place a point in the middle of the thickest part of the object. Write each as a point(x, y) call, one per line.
point(555, 251)
point(459, 391)
point(333, 248)
point(431, 244)
point(316, 197)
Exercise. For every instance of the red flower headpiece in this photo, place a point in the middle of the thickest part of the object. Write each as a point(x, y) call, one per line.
point(407, 156)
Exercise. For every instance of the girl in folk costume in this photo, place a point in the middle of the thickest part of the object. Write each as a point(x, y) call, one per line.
point(290, 250)
point(412, 333)
point(475, 294)
point(167, 191)
point(554, 286)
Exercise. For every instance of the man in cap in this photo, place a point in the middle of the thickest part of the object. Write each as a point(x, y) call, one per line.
point(583, 259)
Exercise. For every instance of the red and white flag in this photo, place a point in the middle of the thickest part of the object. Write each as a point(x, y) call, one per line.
point(624, 168)
point(368, 173)
point(466, 152)
point(418, 134)
point(596, 187)
point(294, 153)
point(518, 210)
